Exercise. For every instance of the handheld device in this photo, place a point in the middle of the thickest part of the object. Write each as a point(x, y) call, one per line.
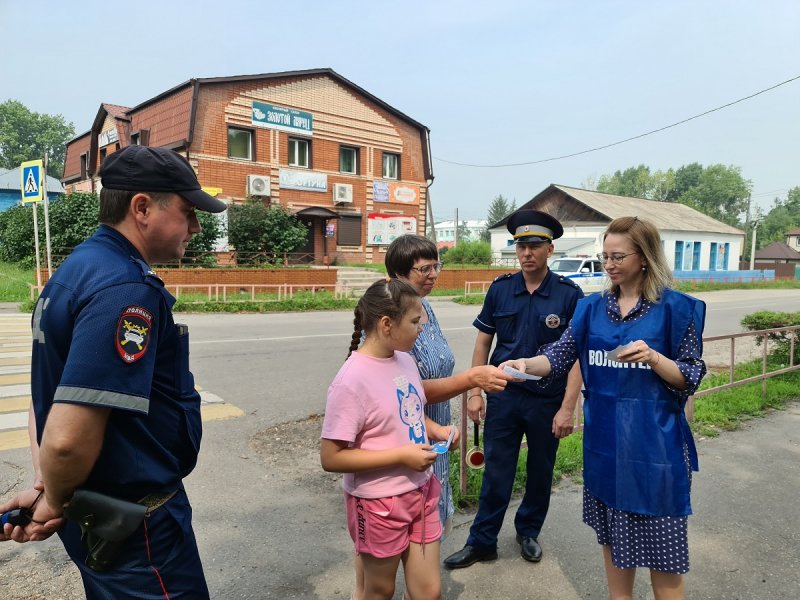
point(475, 457)
point(18, 516)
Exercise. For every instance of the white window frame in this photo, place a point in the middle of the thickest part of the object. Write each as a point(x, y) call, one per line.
point(294, 154)
point(249, 132)
point(386, 166)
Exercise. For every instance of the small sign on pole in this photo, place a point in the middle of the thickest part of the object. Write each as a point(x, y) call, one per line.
point(31, 189)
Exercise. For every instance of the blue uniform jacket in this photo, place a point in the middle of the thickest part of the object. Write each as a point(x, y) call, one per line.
point(522, 322)
point(103, 335)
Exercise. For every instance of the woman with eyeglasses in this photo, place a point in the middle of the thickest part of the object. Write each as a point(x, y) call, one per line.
point(415, 260)
point(640, 347)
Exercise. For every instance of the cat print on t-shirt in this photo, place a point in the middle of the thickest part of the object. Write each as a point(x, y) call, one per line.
point(411, 410)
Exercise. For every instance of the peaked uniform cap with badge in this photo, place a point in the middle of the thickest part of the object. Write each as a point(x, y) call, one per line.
point(533, 227)
point(147, 169)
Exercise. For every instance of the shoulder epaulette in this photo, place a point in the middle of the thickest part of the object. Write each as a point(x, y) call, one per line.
point(147, 272)
point(504, 276)
point(568, 281)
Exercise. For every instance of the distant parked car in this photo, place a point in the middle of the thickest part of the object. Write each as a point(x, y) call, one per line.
point(585, 271)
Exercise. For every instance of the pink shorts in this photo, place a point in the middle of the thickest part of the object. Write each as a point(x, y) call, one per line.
point(384, 527)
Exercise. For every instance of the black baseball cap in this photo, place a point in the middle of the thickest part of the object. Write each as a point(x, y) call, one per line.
point(533, 227)
point(147, 169)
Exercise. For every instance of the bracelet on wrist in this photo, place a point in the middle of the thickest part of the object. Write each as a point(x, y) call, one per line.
point(475, 396)
point(657, 359)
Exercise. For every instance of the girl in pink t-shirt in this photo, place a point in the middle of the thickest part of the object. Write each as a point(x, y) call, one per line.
point(375, 432)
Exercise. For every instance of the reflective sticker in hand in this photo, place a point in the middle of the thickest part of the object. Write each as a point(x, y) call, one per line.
point(133, 333)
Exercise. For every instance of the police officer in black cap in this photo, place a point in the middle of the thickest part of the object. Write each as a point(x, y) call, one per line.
point(524, 310)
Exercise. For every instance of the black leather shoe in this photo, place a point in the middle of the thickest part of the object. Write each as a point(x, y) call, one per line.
point(468, 556)
point(530, 548)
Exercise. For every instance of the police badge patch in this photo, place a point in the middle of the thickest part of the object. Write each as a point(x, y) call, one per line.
point(133, 333)
point(552, 321)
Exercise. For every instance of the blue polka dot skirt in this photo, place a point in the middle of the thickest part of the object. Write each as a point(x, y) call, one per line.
point(659, 543)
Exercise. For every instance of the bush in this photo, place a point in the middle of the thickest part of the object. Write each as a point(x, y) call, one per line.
point(766, 319)
point(266, 233)
point(470, 253)
point(73, 218)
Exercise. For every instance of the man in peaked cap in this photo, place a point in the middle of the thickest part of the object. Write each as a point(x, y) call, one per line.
point(116, 411)
point(524, 310)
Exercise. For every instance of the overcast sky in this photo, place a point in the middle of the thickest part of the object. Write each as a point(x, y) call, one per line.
point(496, 82)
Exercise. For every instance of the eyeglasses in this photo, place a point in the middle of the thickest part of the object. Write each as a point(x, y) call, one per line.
point(426, 269)
point(616, 259)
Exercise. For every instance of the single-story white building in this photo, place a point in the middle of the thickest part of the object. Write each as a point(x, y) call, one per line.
point(692, 241)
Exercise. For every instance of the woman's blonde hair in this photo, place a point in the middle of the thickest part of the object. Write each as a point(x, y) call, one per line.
point(647, 242)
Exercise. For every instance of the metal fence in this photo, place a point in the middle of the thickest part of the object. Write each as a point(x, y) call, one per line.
point(791, 333)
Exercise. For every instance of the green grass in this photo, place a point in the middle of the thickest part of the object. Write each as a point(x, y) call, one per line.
point(727, 409)
point(300, 302)
point(724, 410)
point(377, 267)
point(15, 283)
point(712, 286)
point(569, 461)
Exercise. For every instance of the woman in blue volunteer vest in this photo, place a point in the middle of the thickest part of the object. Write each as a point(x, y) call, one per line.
point(640, 348)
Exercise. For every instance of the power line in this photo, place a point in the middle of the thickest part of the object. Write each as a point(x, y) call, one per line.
point(636, 137)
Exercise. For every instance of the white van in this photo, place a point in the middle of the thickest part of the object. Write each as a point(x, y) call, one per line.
point(583, 270)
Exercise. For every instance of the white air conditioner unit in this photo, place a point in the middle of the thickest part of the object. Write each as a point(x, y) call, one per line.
point(342, 192)
point(258, 185)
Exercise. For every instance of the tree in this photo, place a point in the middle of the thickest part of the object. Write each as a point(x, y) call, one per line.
point(200, 249)
point(686, 177)
point(499, 209)
point(721, 192)
point(638, 182)
point(254, 229)
point(27, 135)
point(781, 218)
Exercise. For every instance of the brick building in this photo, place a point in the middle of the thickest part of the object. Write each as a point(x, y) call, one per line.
point(355, 170)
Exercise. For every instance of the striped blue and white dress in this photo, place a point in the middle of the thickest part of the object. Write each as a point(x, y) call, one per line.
point(435, 360)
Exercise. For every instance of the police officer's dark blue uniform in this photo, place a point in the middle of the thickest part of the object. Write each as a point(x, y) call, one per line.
point(104, 337)
point(521, 322)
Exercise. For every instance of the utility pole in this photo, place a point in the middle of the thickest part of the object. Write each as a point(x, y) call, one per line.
point(455, 230)
point(756, 221)
point(746, 228)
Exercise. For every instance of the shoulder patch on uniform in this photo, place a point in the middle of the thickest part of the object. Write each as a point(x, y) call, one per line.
point(504, 276)
point(133, 333)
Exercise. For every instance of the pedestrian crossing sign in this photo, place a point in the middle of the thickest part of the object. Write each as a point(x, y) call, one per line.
point(31, 174)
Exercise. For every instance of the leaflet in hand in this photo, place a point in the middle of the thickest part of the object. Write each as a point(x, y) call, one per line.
point(519, 374)
point(613, 354)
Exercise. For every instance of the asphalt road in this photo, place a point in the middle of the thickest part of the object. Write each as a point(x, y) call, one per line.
point(270, 522)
